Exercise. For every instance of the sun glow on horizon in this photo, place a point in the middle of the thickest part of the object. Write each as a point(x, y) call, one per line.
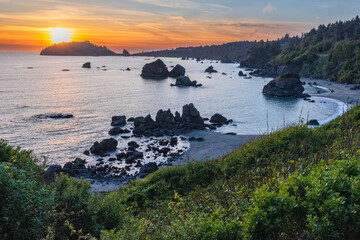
point(59, 35)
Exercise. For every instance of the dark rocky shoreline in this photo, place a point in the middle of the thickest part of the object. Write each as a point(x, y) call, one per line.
point(159, 138)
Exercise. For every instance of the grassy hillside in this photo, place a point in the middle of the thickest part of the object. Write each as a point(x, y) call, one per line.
point(294, 183)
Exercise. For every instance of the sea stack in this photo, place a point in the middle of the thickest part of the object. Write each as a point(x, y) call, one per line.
point(177, 71)
point(126, 53)
point(155, 70)
point(286, 85)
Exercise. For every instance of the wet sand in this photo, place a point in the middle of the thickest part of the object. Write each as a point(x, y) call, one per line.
point(341, 92)
point(214, 145)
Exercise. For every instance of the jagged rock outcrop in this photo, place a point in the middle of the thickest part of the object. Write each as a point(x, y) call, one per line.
point(241, 74)
point(166, 123)
point(177, 71)
point(117, 130)
point(51, 172)
point(54, 116)
point(186, 82)
point(191, 116)
point(86, 65)
point(106, 145)
point(313, 122)
point(287, 85)
point(218, 118)
point(118, 121)
point(126, 53)
point(155, 70)
point(76, 167)
point(210, 70)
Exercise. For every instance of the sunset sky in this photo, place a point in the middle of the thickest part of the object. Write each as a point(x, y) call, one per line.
point(27, 25)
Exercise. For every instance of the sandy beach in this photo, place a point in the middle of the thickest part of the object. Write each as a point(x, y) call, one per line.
point(215, 145)
point(341, 92)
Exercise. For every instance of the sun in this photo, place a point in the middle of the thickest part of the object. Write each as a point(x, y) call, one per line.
point(59, 35)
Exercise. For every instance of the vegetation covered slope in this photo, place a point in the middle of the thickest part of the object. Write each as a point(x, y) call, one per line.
point(331, 52)
point(328, 52)
point(294, 183)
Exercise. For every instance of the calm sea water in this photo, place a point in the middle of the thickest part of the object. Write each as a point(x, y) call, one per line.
point(31, 84)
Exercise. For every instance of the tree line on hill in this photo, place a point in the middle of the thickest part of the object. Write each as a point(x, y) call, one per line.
point(327, 52)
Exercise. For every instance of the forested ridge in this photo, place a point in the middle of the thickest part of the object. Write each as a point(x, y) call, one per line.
point(328, 52)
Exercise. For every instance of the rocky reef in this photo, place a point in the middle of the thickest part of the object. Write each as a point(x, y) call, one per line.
point(183, 81)
point(124, 157)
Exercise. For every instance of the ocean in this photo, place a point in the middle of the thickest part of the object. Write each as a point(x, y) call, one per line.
point(31, 85)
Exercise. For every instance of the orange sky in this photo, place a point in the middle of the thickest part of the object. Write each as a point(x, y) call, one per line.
point(141, 24)
point(142, 36)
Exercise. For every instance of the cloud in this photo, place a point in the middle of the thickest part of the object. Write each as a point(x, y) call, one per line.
point(269, 9)
point(177, 18)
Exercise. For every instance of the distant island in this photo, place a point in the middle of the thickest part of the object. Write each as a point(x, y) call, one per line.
point(85, 48)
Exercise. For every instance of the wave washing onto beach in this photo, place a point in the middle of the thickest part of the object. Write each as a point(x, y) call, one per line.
point(341, 109)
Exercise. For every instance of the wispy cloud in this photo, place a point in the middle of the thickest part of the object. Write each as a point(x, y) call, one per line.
point(177, 18)
point(269, 9)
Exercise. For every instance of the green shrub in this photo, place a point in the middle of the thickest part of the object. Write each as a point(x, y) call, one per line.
point(348, 72)
point(322, 47)
point(22, 159)
point(109, 211)
point(322, 205)
point(25, 203)
point(73, 206)
point(162, 184)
